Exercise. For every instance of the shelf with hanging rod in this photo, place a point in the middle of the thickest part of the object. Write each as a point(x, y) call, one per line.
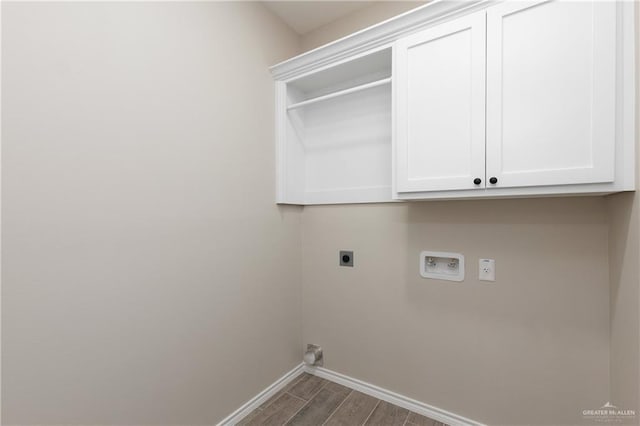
point(339, 93)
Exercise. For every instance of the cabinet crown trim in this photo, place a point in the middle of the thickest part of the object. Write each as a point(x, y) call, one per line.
point(375, 36)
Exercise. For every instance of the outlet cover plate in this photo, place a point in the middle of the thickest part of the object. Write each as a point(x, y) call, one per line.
point(346, 258)
point(487, 270)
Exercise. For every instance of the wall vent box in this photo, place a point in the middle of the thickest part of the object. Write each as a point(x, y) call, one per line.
point(441, 265)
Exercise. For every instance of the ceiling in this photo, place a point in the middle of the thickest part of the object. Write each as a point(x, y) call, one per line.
point(305, 16)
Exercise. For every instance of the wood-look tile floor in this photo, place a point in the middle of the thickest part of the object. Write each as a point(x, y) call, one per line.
point(311, 401)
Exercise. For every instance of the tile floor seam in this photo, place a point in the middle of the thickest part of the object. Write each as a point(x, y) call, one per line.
point(406, 419)
point(294, 414)
point(338, 407)
point(326, 382)
point(285, 389)
point(293, 382)
point(371, 413)
point(296, 397)
point(306, 403)
point(317, 392)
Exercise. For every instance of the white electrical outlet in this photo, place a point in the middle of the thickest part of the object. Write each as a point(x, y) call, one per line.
point(487, 270)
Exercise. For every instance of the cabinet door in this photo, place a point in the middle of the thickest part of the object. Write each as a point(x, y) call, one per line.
point(551, 93)
point(439, 88)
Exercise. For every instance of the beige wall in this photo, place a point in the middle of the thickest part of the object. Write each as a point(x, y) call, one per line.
point(148, 277)
point(130, 219)
point(624, 255)
point(377, 12)
point(494, 352)
point(531, 348)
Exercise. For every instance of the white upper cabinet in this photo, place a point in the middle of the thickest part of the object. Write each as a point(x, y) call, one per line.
point(439, 106)
point(551, 74)
point(463, 100)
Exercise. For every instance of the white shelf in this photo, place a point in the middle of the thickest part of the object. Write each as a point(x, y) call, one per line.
point(341, 93)
point(334, 134)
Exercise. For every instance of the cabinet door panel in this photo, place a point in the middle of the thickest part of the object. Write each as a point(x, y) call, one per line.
point(551, 92)
point(439, 86)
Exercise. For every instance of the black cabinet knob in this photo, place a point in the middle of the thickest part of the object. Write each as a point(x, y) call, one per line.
point(493, 180)
point(477, 181)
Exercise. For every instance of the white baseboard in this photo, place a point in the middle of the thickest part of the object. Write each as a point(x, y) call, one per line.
point(392, 397)
point(257, 400)
point(364, 387)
